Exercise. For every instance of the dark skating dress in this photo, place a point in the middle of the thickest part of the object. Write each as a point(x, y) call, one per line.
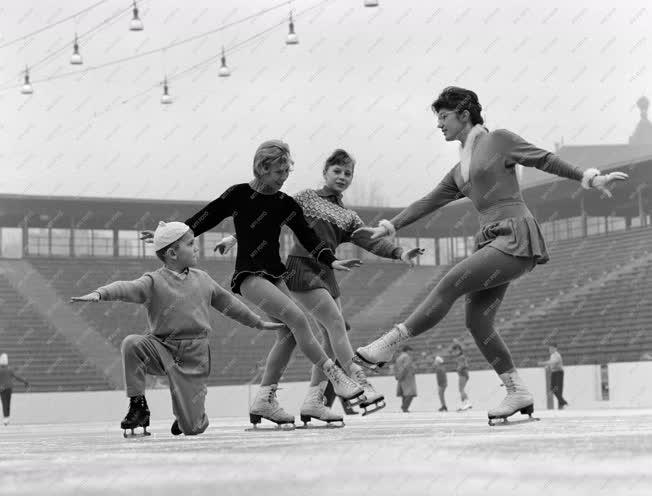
point(258, 219)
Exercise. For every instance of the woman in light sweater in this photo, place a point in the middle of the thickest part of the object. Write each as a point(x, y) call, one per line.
point(508, 245)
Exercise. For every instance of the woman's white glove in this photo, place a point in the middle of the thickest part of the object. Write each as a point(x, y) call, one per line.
point(594, 179)
point(603, 183)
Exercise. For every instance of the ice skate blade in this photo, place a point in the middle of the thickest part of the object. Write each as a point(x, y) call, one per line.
point(356, 400)
point(368, 410)
point(256, 419)
point(355, 396)
point(360, 360)
point(133, 434)
point(333, 424)
point(275, 428)
point(497, 422)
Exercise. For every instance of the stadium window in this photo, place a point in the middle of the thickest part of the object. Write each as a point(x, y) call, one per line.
point(148, 249)
point(60, 242)
point(102, 243)
point(83, 242)
point(561, 229)
point(428, 257)
point(11, 242)
point(616, 224)
point(459, 247)
point(595, 225)
point(445, 257)
point(575, 227)
point(38, 242)
point(129, 244)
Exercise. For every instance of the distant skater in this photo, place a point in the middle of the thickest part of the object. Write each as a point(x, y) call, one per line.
point(556, 367)
point(7, 376)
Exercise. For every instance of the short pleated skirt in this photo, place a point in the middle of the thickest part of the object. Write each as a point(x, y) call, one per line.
point(519, 235)
point(272, 274)
point(305, 274)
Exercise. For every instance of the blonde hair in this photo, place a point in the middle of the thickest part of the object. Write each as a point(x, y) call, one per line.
point(270, 153)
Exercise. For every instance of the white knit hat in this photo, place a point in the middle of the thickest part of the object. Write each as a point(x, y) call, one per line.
point(439, 359)
point(167, 233)
point(4, 359)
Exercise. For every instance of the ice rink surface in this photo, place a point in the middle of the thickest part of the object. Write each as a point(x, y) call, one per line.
point(388, 453)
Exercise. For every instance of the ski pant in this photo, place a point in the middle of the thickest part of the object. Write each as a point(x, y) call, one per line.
point(557, 386)
point(5, 397)
point(483, 277)
point(185, 362)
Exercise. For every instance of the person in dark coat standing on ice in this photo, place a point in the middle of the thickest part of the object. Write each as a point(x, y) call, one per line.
point(7, 377)
point(406, 388)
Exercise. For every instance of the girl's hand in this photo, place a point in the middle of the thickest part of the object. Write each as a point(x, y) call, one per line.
point(147, 236)
point(225, 245)
point(346, 265)
point(409, 256)
point(94, 296)
point(372, 232)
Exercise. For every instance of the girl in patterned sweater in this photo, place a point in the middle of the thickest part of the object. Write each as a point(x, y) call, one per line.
point(313, 283)
point(508, 245)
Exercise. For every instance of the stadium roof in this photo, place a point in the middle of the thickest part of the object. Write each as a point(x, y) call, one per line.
point(560, 198)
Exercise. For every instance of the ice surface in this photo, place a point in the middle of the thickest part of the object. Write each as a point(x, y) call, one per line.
point(388, 453)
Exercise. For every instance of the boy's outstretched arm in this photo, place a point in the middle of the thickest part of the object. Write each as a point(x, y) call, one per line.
point(137, 291)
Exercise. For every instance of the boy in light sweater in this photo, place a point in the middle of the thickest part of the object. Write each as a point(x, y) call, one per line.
point(178, 300)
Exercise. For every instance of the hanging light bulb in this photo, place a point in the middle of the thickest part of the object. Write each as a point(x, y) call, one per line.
point(224, 70)
point(166, 99)
point(136, 24)
point(27, 86)
point(76, 58)
point(371, 3)
point(292, 38)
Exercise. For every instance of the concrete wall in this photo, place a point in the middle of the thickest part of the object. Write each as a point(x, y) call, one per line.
point(629, 388)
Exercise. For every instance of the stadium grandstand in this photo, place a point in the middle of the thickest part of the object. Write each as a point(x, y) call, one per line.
point(591, 298)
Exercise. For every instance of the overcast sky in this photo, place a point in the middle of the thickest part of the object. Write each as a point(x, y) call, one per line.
point(361, 79)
